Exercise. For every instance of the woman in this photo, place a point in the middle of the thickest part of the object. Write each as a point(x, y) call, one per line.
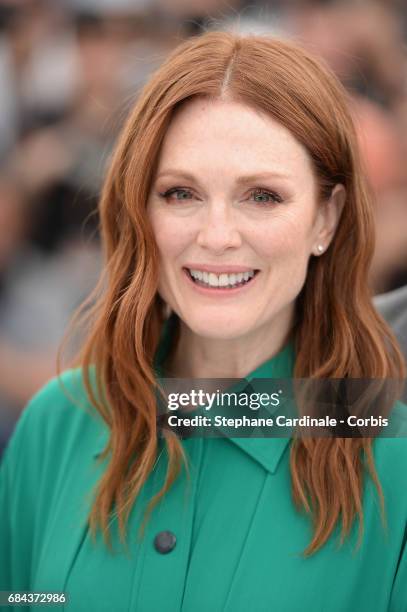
point(236, 201)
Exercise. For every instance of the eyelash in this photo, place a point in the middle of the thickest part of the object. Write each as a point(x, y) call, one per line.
point(276, 198)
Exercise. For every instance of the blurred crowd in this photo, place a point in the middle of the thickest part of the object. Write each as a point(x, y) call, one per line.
point(70, 70)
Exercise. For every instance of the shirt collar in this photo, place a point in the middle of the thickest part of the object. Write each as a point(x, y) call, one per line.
point(265, 451)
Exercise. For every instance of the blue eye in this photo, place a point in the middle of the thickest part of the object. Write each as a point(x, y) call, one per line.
point(179, 190)
point(273, 197)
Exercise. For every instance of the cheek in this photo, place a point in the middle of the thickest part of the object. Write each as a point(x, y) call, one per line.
point(285, 240)
point(285, 250)
point(171, 236)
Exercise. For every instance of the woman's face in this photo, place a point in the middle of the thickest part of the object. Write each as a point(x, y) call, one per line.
point(235, 192)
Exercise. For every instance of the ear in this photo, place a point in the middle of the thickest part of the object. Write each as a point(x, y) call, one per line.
point(327, 219)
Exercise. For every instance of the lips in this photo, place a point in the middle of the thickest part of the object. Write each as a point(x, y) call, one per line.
point(219, 268)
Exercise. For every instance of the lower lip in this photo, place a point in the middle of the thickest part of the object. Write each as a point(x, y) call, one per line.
point(218, 291)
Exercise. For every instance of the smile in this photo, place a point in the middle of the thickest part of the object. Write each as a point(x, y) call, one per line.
point(210, 280)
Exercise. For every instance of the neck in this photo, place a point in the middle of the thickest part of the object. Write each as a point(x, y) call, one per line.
point(196, 356)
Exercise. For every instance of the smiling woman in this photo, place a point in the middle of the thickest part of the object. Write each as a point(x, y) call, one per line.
point(238, 235)
point(248, 203)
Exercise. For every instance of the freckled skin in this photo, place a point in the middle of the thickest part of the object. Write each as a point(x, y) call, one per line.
point(222, 222)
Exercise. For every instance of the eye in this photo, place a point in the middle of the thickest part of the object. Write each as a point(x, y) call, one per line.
point(182, 192)
point(268, 196)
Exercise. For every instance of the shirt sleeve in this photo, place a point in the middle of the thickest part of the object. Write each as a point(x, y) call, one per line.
point(24, 490)
point(5, 544)
point(53, 425)
point(15, 552)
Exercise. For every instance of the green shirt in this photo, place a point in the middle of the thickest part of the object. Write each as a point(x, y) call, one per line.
point(238, 535)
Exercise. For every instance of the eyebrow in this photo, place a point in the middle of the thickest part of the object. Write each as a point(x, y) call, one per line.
point(242, 180)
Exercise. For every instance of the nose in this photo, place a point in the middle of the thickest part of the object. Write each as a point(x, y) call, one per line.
point(218, 230)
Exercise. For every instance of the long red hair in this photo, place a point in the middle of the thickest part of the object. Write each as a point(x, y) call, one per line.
point(338, 332)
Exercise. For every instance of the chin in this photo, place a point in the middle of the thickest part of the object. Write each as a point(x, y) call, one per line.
point(218, 327)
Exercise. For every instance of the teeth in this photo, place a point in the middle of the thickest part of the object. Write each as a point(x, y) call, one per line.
point(221, 280)
point(213, 280)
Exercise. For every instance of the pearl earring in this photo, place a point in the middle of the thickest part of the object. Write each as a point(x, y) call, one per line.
point(320, 248)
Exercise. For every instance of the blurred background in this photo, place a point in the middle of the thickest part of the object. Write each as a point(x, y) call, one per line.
point(69, 72)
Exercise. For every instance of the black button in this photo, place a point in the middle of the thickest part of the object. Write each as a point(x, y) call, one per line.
point(164, 542)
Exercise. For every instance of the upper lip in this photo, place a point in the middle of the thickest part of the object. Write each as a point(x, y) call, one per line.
point(219, 269)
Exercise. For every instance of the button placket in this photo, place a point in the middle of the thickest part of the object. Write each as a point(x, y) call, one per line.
point(168, 538)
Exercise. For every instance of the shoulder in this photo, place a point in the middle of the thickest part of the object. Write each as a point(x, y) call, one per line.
point(62, 397)
point(50, 457)
point(56, 418)
point(55, 439)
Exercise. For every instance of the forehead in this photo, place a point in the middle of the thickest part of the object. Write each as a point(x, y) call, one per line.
point(207, 134)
